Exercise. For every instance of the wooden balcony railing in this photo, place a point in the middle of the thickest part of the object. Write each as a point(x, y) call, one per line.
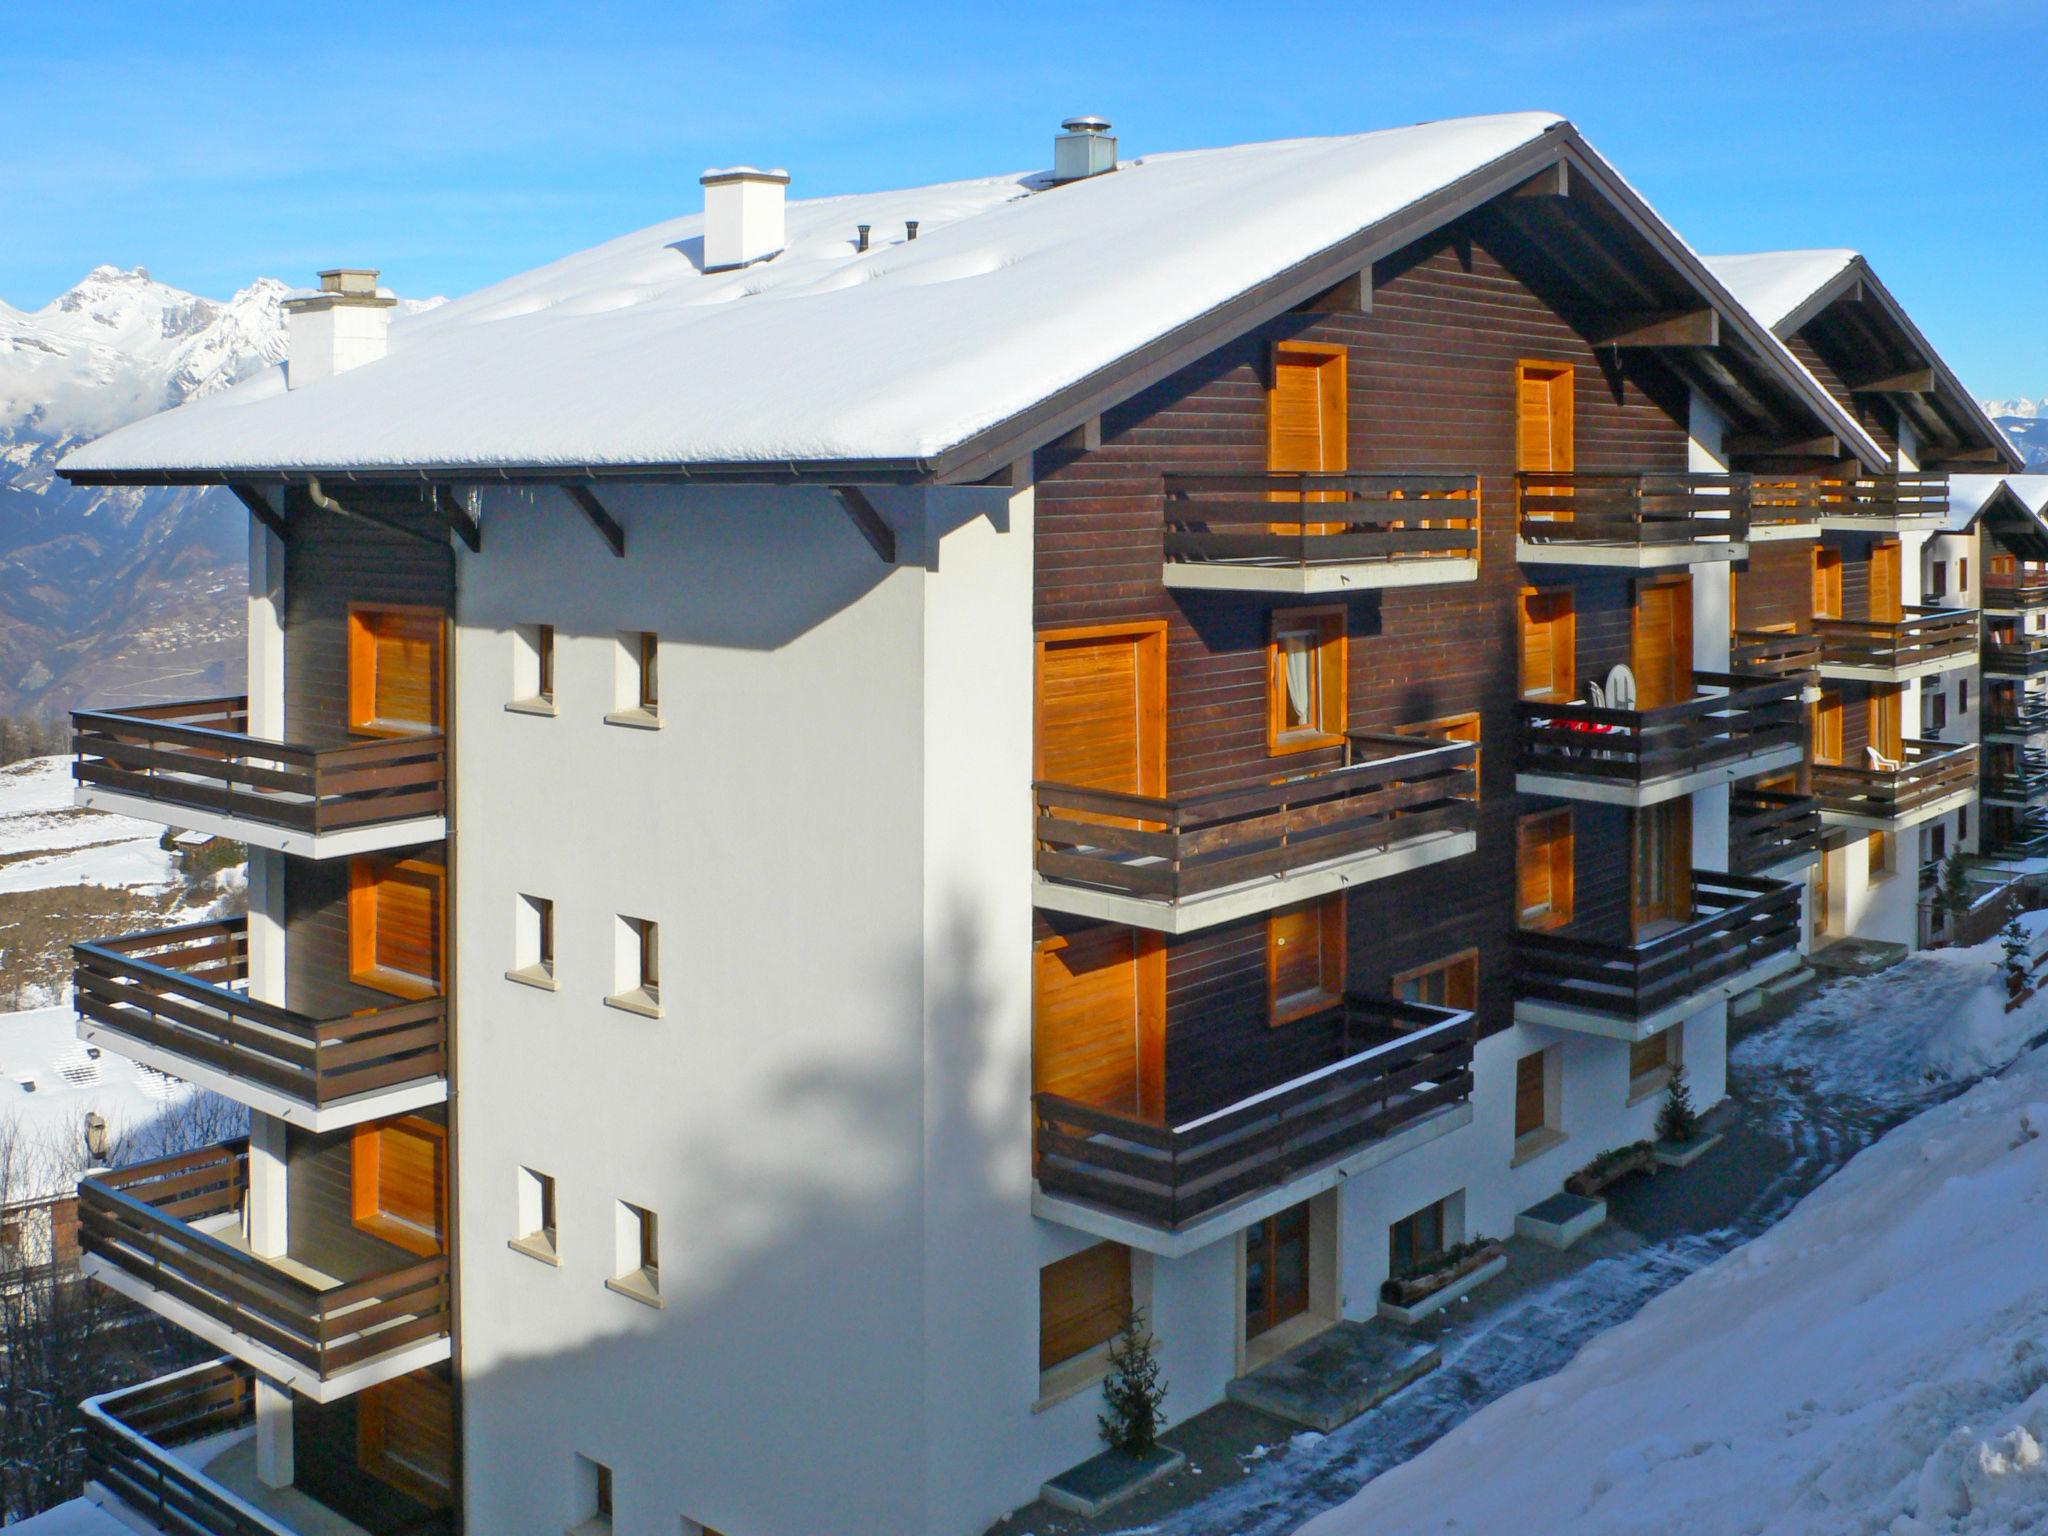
point(1769, 828)
point(1304, 519)
point(199, 756)
point(1737, 923)
point(144, 1220)
point(132, 1440)
point(1398, 1062)
point(2028, 717)
point(2027, 591)
point(1168, 848)
point(1923, 635)
point(1769, 653)
point(182, 990)
point(1674, 507)
point(1929, 772)
point(1730, 718)
point(2015, 833)
point(2017, 776)
point(2011, 654)
point(1880, 500)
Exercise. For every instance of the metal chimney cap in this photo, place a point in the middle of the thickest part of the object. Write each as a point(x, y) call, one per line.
point(1089, 123)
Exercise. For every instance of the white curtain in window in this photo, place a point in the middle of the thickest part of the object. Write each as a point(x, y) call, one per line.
point(1299, 703)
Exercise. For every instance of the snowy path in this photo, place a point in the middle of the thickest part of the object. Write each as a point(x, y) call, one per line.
point(1812, 1090)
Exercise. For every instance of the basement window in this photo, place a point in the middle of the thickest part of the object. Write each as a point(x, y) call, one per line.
point(636, 1263)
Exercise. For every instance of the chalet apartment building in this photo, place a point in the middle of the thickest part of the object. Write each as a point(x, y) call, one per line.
point(842, 792)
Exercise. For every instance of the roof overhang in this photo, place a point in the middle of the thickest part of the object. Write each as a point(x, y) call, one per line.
point(2006, 515)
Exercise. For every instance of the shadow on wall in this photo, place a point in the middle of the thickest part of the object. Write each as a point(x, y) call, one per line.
point(820, 1295)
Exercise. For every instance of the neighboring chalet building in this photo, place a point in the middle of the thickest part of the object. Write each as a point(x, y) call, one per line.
point(2009, 518)
point(840, 794)
point(1875, 602)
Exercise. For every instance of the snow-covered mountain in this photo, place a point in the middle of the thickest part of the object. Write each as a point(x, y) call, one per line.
point(113, 595)
point(2026, 423)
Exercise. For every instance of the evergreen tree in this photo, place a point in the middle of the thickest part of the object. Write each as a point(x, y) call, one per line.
point(1954, 897)
point(1677, 1121)
point(2012, 945)
point(1131, 1420)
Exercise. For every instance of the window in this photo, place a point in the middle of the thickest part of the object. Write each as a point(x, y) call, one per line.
point(1937, 843)
point(1452, 983)
point(533, 941)
point(533, 669)
point(1663, 863)
point(1963, 576)
point(1827, 729)
point(1549, 637)
point(398, 1180)
point(1304, 959)
point(636, 683)
point(394, 670)
point(1886, 591)
point(405, 1436)
point(396, 924)
point(1935, 716)
point(1083, 1300)
point(637, 966)
point(1962, 823)
point(1650, 1062)
point(1886, 722)
point(1543, 416)
point(593, 1497)
point(636, 1257)
point(1878, 856)
point(1937, 578)
point(536, 1217)
point(1306, 683)
point(1543, 866)
point(1962, 695)
point(1415, 1240)
point(1827, 582)
point(1464, 727)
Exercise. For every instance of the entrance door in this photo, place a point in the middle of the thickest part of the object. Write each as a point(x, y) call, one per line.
point(1098, 1036)
point(1661, 644)
point(1886, 604)
point(1276, 1270)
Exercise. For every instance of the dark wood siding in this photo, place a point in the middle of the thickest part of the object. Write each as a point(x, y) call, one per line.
point(319, 1193)
point(1870, 411)
point(1775, 585)
point(331, 562)
point(325, 1468)
point(316, 955)
point(1432, 387)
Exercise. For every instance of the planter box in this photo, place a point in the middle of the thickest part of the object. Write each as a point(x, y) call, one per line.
point(1683, 1154)
point(1103, 1481)
point(1432, 1293)
point(1637, 1159)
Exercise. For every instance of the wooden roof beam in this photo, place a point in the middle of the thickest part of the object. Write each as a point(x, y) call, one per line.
point(1914, 381)
point(606, 525)
point(464, 523)
point(1659, 328)
point(259, 507)
point(1554, 180)
point(880, 536)
point(1760, 446)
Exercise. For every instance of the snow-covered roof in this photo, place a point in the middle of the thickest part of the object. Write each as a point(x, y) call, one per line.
point(1772, 285)
point(630, 355)
point(1966, 497)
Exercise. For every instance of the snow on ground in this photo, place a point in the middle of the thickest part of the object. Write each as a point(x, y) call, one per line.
point(1874, 1364)
point(66, 845)
point(75, 1517)
point(1852, 1061)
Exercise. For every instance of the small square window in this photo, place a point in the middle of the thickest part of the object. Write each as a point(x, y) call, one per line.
point(636, 680)
point(636, 951)
point(533, 669)
point(636, 1261)
point(533, 941)
point(536, 1218)
point(593, 1498)
point(1307, 684)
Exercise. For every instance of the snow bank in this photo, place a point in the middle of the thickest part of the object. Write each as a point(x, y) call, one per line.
point(65, 845)
point(75, 1517)
point(1874, 1364)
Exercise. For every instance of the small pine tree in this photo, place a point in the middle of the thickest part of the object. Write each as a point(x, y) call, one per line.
point(2012, 945)
point(1677, 1121)
point(1131, 1420)
point(1954, 897)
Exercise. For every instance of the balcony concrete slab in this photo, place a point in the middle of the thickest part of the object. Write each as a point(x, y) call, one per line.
point(1905, 820)
point(1564, 786)
point(1629, 557)
point(1342, 1372)
point(373, 838)
point(1310, 580)
point(1617, 1027)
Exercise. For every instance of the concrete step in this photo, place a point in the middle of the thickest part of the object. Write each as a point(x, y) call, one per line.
point(1336, 1376)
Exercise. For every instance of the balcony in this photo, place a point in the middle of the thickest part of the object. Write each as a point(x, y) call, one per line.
point(1924, 641)
point(1743, 930)
point(1773, 832)
point(1930, 781)
point(194, 765)
point(178, 1000)
point(2020, 781)
point(2014, 655)
point(1180, 863)
point(2022, 594)
point(168, 1235)
point(1249, 533)
point(2020, 720)
point(1393, 1070)
point(2013, 835)
point(1634, 521)
point(1913, 503)
point(1734, 727)
point(1774, 653)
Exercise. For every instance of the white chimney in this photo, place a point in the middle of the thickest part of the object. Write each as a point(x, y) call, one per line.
point(742, 216)
point(341, 327)
point(1085, 147)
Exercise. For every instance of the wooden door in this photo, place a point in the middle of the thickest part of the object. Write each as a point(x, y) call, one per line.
point(1098, 1010)
point(405, 1436)
point(1827, 729)
point(1307, 416)
point(1887, 722)
point(1887, 604)
point(1827, 582)
point(1276, 1270)
point(1662, 865)
point(1543, 417)
point(1102, 708)
point(1661, 642)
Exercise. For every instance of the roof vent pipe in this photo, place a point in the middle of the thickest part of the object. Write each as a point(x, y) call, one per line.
point(743, 220)
point(1084, 148)
point(910, 229)
point(861, 243)
point(343, 326)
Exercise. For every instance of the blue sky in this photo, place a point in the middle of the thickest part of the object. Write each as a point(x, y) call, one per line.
point(453, 144)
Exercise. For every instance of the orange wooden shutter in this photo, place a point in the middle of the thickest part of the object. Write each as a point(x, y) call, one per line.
point(1529, 1094)
point(1101, 709)
point(405, 1436)
point(1307, 415)
point(1543, 863)
point(1661, 643)
point(394, 670)
point(1543, 417)
point(1827, 582)
point(1662, 873)
point(1304, 959)
point(396, 924)
point(1827, 729)
point(1651, 1055)
point(1549, 638)
point(399, 1181)
point(1886, 603)
point(1097, 1036)
point(1887, 722)
point(1083, 1300)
